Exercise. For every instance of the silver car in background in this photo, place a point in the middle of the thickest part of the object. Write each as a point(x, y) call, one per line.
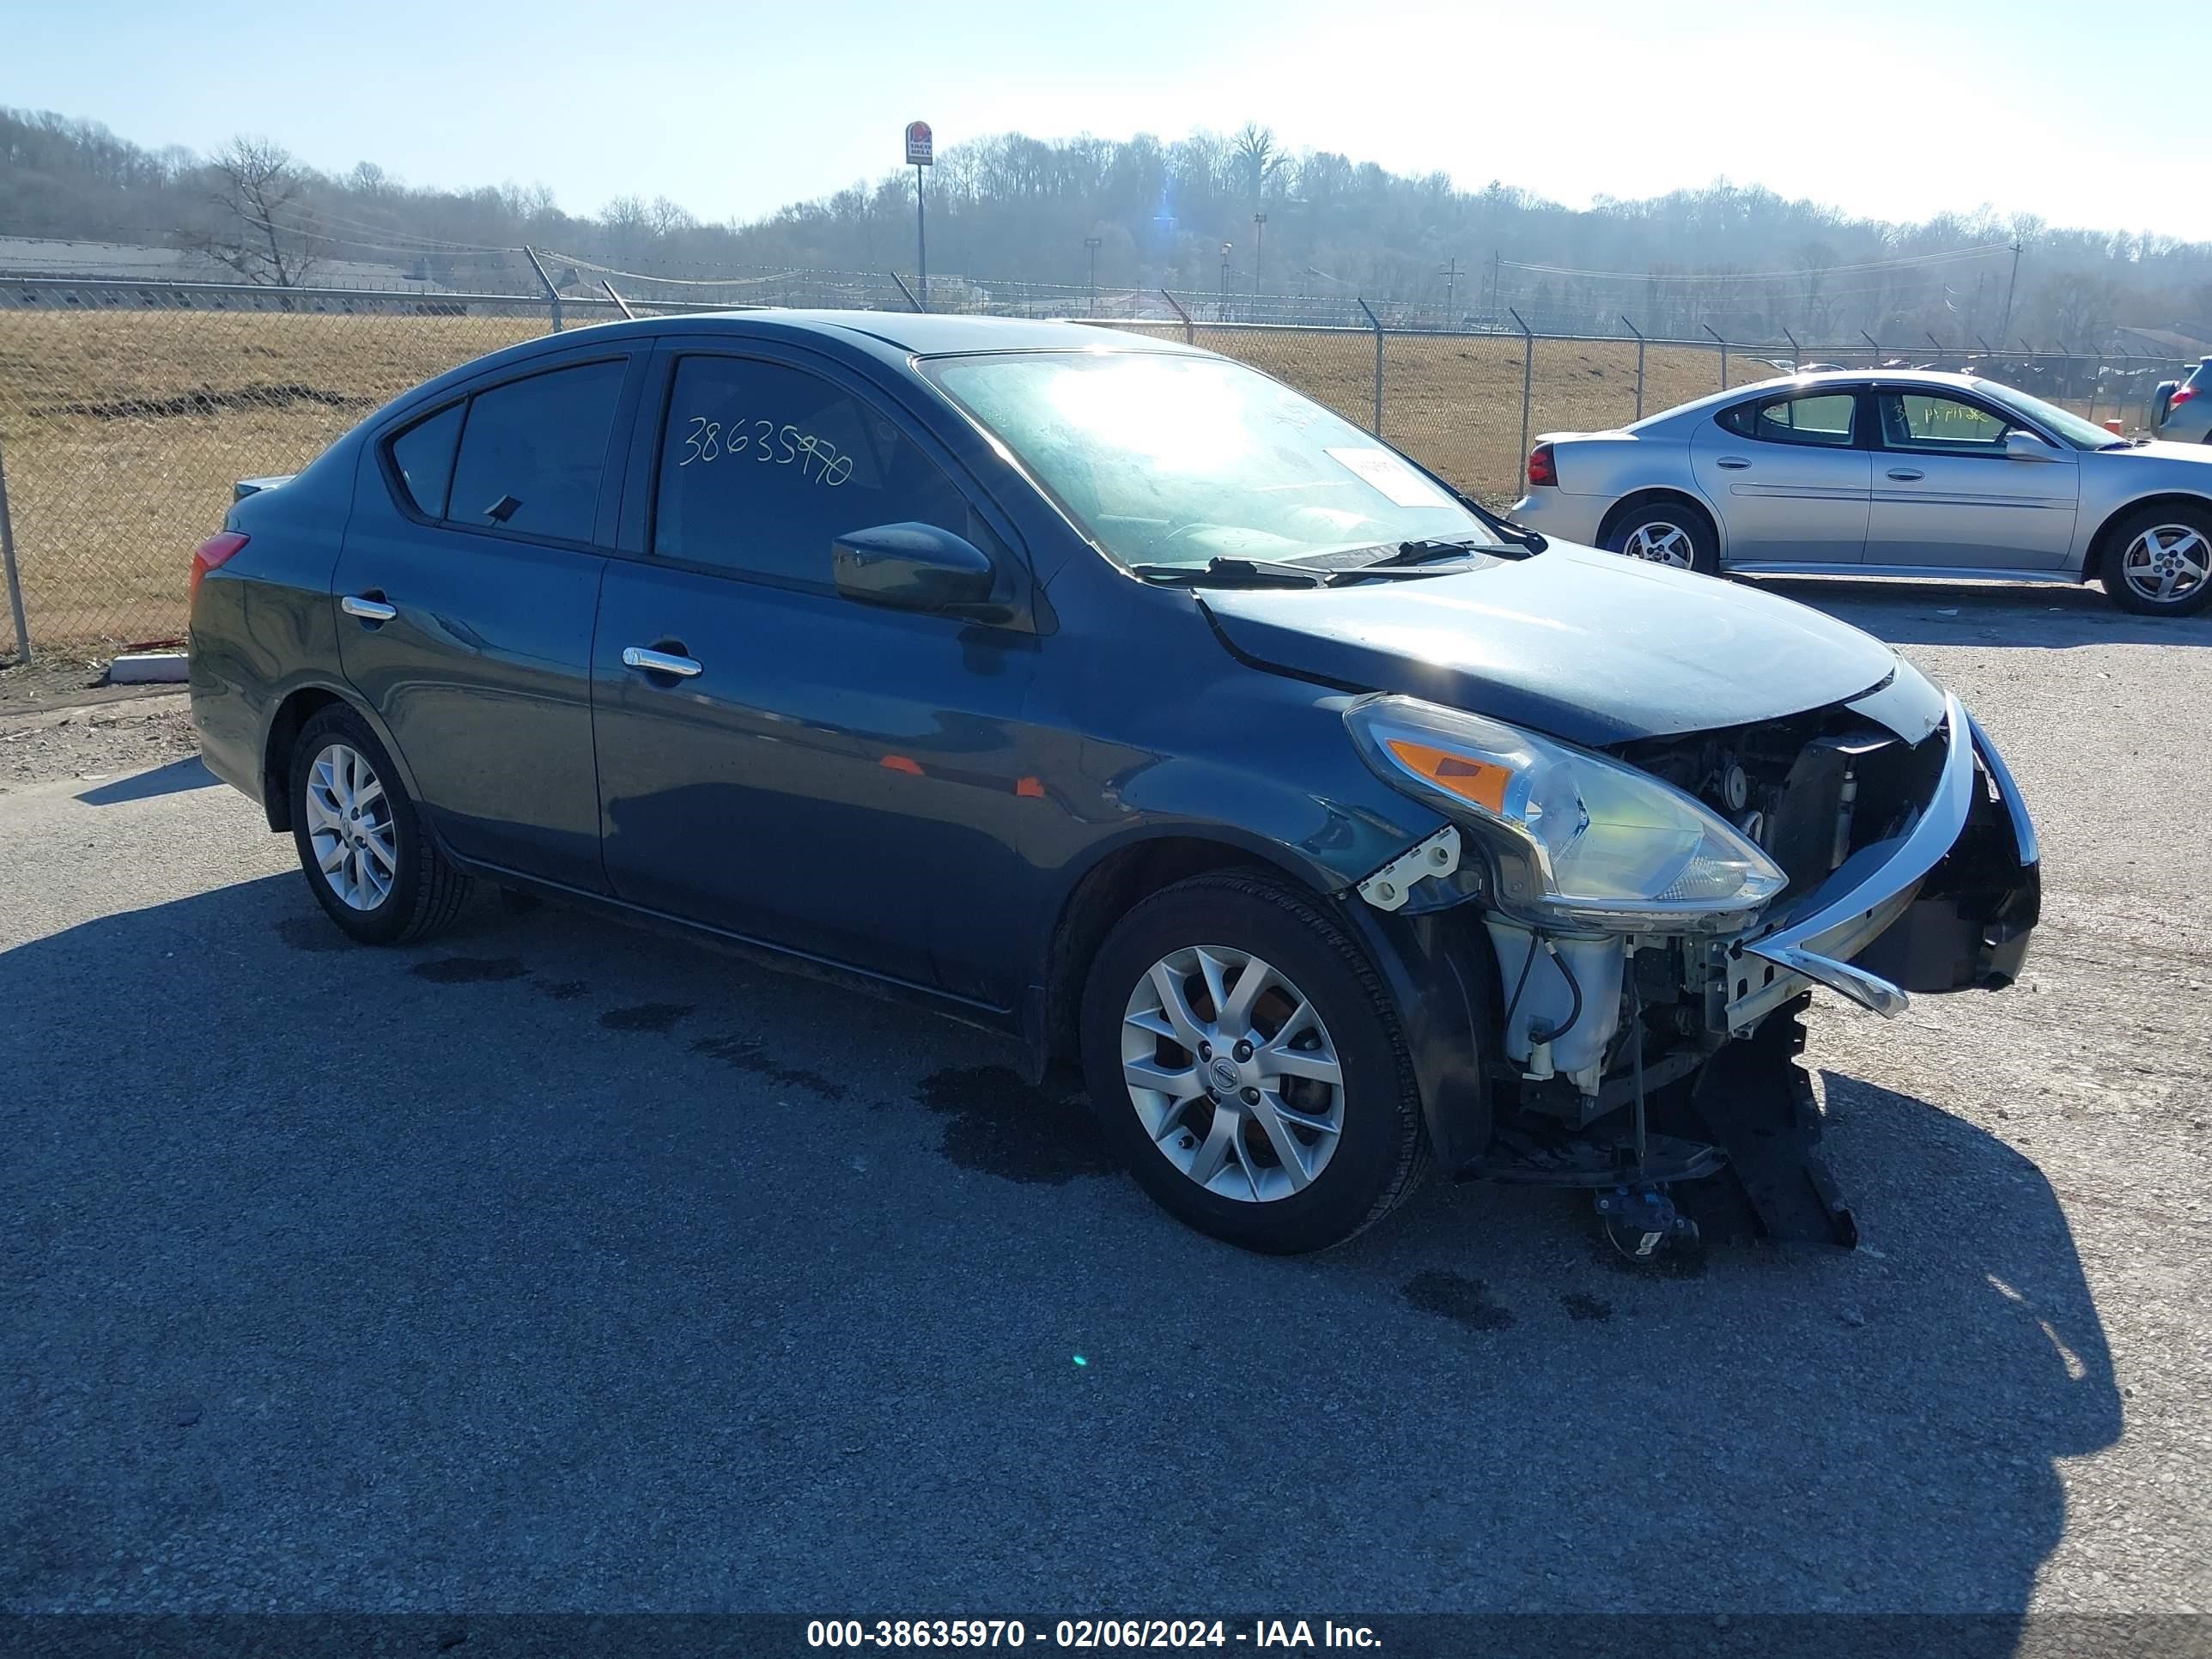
point(2183, 413)
point(1875, 472)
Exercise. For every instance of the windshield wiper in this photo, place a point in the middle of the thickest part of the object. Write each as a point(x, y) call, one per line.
point(1232, 573)
point(1428, 550)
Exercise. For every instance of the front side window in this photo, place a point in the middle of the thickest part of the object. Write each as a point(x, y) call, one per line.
point(1940, 425)
point(762, 466)
point(533, 452)
point(1168, 459)
point(1822, 418)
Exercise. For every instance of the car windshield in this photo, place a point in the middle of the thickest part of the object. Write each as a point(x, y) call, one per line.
point(2084, 434)
point(1165, 460)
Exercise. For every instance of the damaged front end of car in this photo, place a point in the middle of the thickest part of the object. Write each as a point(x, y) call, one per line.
point(1660, 912)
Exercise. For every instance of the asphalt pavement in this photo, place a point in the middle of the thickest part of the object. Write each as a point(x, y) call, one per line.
point(559, 1266)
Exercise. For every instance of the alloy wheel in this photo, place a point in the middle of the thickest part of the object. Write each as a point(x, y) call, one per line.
point(1232, 1073)
point(349, 827)
point(1659, 543)
point(2167, 563)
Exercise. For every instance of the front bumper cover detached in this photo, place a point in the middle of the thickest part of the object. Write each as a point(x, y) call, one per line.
point(1946, 905)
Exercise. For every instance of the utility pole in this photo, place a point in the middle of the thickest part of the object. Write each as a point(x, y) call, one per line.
point(1450, 274)
point(1259, 247)
point(1223, 306)
point(2011, 282)
point(1090, 247)
point(1497, 282)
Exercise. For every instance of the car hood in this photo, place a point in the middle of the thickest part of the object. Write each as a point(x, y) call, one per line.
point(2159, 450)
point(1588, 647)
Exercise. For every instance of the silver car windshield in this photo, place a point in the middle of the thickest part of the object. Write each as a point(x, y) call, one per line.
point(1167, 460)
point(2082, 434)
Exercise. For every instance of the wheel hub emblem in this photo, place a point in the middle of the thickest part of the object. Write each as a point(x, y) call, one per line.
point(1224, 1074)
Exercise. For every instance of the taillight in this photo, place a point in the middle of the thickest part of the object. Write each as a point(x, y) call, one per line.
point(1543, 467)
point(2182, 394)
point(216, 551)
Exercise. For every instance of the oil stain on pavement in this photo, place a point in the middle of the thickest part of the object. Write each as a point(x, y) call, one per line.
point(743, 1053)
point(1580, 1306)
point(1001, 1125)
point(648, 1016)
point(1466, 1302)
point(469, 970)
point(309, 933)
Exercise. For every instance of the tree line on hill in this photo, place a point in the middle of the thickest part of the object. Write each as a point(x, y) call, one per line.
point(1234, 215)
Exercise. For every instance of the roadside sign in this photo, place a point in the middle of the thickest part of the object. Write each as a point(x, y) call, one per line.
point(918, 144)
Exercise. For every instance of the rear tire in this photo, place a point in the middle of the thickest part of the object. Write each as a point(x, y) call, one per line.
point(361, 843)
point(1666, 532)
point(2157, 562)
point(1256, 974)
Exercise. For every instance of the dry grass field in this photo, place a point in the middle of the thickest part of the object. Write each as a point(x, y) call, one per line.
point(121, 431)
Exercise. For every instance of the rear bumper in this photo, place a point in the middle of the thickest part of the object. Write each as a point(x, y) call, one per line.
point(1947, 905)
point(1557, 513)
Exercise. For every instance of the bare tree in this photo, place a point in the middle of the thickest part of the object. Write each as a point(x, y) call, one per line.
point(261, 225)
point(1256, 157)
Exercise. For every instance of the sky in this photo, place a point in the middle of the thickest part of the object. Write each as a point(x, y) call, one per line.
point(1895, 110)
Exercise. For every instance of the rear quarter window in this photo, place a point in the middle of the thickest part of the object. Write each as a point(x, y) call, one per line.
point(422, 456)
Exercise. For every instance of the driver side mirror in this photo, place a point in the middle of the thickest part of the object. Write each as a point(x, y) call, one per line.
point(912, 567)
point(2020, 445)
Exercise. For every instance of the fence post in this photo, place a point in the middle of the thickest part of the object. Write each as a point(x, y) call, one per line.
point(2096, 374)
point(1638, 333)
point(904, 290)
point(1797, 353)
point(552, 293)
point(1874, 346)
point(1189, 332)
point(15, 577)
point(1708, 327)
point(1375, 324)
point(1528, 379)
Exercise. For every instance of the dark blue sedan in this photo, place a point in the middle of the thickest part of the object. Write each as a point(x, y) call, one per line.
point(1108, 693)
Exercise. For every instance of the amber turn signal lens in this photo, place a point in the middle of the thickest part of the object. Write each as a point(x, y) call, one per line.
point(1471, 780)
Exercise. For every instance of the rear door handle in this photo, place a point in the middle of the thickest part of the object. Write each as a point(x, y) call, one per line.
point(1906, 474)
point(660, 662)
point(368, 607)
point(1733, 462)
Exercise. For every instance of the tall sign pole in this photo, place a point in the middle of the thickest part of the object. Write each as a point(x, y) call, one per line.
point(919, 146)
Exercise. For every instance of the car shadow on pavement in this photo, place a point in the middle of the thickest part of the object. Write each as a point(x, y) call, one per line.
point(518, 1270)
point(179, 775)
point(2046, 615)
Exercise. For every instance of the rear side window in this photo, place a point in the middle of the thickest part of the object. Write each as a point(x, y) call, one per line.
point(762, 466)
point(532, 452)
point(1822, 418)
point(424, 457)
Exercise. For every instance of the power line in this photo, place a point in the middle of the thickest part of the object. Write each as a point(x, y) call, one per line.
point(1901, 261)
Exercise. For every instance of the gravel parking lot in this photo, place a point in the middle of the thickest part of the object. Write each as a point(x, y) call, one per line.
point(560, 1266)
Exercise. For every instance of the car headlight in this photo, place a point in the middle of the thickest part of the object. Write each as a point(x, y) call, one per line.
point(1579, 842)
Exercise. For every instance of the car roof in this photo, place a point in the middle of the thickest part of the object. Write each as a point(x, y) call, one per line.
point(1831, 377)
point(891, 337)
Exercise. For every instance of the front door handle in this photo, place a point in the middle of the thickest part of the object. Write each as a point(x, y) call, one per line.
point(368, 607)
point(1733, 462)
point(660, 662)
point(1906, 474)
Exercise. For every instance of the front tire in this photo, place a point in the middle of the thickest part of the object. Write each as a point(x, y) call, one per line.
point(1669, 533)
point(1246, 1065)
point(2159, 561)
point(361, 841)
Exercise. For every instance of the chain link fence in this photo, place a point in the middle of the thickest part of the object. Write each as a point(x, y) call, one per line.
point(129, 411)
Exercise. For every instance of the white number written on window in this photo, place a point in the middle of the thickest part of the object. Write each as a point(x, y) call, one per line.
point(769, 445)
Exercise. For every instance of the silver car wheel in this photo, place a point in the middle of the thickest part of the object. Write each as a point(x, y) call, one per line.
point(1232, 1073)
point(349, 828)
point(2167, 563)
point(1662, 544)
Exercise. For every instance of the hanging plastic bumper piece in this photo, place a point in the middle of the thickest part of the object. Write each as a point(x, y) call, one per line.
point(1946, 905)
